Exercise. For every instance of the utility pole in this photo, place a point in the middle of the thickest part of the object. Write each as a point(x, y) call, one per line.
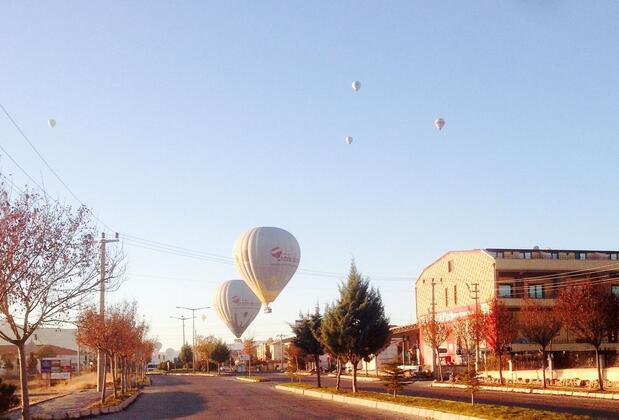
point(475, 293)
point(100, 355)
point(281, 342)
point(182, 318)
point(193, 327)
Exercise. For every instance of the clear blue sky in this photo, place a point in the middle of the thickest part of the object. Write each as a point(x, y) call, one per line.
point(189, 122)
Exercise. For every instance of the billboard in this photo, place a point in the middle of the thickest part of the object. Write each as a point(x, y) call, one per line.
point(55, 368)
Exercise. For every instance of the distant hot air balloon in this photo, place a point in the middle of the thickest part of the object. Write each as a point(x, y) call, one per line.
point(356, 85)
point(236, 305)
point(51, 123)
point(267, 258)
point(348, 140)
point(439, 123)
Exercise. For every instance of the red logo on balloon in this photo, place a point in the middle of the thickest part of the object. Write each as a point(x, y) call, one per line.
point(276, 252)
point(235, 299)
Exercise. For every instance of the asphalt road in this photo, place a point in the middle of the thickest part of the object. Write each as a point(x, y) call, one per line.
point(608, 409)
point(190, 397)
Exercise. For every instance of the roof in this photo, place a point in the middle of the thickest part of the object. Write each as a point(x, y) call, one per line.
point(537, 249)
point(59, 351)
point(396, 329)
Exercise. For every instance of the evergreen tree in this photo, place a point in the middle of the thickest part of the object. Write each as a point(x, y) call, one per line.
point(307, 337)
point(365, 327)
point(186, 355)
point(393, 378)
point(332, 336)
point(220, 353)
point(7, 396)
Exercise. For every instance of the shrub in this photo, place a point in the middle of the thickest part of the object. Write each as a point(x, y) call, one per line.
point(8, 398)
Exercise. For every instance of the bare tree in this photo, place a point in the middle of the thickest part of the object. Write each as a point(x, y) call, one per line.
point(48, 268)
point(589, 311)
point(501, 331)
point(540, 324)
point(435, 333)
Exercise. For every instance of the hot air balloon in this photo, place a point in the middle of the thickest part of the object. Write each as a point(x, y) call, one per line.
point(439, 123)
point(348, 140)
point(267, 258)
point(51, 123)
point(236, 305)
point(356, 85)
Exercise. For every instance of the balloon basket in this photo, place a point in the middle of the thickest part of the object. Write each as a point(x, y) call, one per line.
point(267, 310)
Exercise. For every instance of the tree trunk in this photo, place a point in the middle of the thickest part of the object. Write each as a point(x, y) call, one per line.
point(440, 368)
point(338, 374)
point(544, 367)
point(104, 377)
point(113, 369)
point(23, 379)
point(317, 360)
point(599, 366)
point(218, 368)
point(500, 369)
point(354, 377)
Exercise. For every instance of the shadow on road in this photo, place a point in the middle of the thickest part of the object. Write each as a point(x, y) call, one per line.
point(168, 404)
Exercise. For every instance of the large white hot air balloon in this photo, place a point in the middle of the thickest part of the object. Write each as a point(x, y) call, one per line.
point(236, 305)
point(356, 85)
point(439, 123)
point(348, 140)
point(51, 122)
point(267, 258)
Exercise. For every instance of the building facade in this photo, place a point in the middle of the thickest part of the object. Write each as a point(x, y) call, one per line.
point(454, 284)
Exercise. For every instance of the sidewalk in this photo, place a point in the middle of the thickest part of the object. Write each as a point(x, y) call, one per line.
point(71, 402)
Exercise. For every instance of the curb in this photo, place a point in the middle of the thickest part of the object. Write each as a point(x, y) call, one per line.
point(18, 408)
point(359, 378)
point(88, 412)
point(246, 379)
point(381, 405)
point(596, 395)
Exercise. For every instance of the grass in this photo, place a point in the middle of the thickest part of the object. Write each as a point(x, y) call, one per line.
point(485, 411)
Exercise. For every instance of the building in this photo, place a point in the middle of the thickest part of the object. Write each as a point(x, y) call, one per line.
point(452, 285)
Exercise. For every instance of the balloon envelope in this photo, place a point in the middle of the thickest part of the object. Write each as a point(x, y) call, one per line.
point(51, 123)
point(236, 305)
point(267, 258)
point(348, 140)
point(439, 123)
point(356, 85)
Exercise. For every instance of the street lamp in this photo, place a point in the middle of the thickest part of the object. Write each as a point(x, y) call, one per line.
point(181, 318)
point(193, 326)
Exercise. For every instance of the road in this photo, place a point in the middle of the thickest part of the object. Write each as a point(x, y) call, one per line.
point(200, 397)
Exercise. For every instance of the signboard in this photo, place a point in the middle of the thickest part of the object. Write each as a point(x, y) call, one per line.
point(442, 350)
point(244, 357)
point(56, 368)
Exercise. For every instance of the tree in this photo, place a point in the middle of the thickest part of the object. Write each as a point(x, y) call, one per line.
point(307, 337)
point(248, 349)
point(435, 333)
point(589, 311)
point(49, 268)
point(393, 378)
point(540, 324)
point(365, 327)
point(464, 330)
point(186, 355)
point(293, 355)
point(220, 354)
point(32, 365)
point(471, 380)
point(501, 331)
point(92, 333)
point(332, 336)
point(7, 362)
point(204, 348)
point(45, 351)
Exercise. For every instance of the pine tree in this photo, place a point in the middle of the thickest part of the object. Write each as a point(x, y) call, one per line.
point(394, 379)
point(365, 328)
point(471, 380)
point(307, 337)
point(332, 336)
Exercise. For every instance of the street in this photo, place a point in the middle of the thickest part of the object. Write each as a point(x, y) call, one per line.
point(225, 397)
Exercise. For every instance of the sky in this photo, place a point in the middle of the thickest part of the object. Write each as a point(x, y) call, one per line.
point(190, 122)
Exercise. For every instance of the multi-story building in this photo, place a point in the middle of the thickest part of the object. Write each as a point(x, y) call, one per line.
point(451, 287)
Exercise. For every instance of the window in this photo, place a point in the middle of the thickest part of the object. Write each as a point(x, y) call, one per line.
point(505, 290)
point(536, 291)
point(455, 294)
point(615, 289)
point(613, 256)
point(446, 297)
point(581, 255)
point(554, 256)
point(526, 255)
point(450, 266)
